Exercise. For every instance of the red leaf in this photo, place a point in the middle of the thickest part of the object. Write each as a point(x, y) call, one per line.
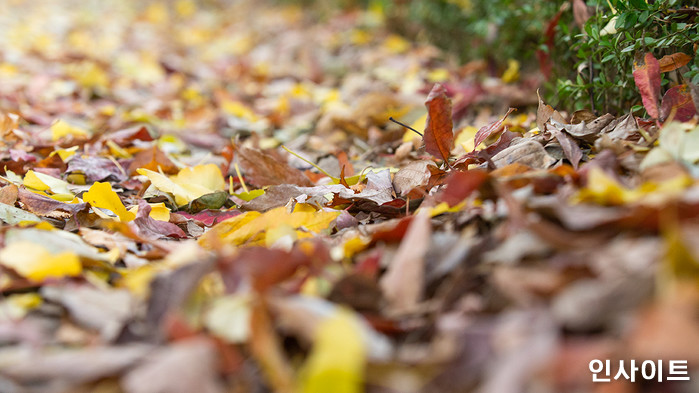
point(490, 129)
point(439, 135)
point(674, 61)
point(462, 184)
point(678, 99)
point(646, 74)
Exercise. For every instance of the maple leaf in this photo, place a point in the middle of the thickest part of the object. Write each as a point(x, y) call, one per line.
point(439, 134)
point(646, 74)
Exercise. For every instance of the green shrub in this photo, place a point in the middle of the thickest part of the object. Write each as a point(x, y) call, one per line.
point(604, 79)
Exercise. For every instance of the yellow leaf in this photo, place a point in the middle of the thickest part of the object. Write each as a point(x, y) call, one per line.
point(419, 125)
point(249, 228)
point(100, 195)
point(604, 190)
point(438, 75)
point(337, 360)
point(34, 262)
point(42, 182)
point(396, 44)
point(465, 139)
point(511, 74)
point(31, 180)
point(238, 110)
point(189, 184)
point(207, 178)
point(62, 129)
point(65, 154)
point(158, 211)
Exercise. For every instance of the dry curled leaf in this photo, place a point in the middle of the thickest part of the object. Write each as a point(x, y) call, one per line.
point(439, 133)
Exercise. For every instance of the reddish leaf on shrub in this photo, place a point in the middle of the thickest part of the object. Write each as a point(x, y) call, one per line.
point(678, 99)
point(674, 61)
point(439, 134)
point(646, 74)
point(490, 129)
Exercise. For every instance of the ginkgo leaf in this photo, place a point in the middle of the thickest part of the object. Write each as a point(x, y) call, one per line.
point(38, 264)
point(337, 360)
point(61, 129)
point(42, 182)
point(189, 184)
point(250, 227)
point(102, 196)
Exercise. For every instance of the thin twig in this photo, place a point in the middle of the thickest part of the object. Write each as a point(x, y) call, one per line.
point(404, 125)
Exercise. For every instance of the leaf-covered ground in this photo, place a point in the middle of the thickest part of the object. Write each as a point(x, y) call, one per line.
point(210, 197)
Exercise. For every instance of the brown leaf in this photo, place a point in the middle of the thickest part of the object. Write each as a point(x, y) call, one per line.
point(8, 194)
point(677, 99)
point(413, 175)
point(265, 170)
point(403, 283)
point(674, 61)
point(528, 153)
point(184, 366)
point(646, 74)
point(490, 129)
point(153, 159)
point(439, 133)
point(544, 113)
point(569, 146)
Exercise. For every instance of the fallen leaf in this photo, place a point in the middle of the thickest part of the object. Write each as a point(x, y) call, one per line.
point(250, 227)
point(337, 359)
point(403, 283)
point(528, 153)
point(153, 159)
point(189, 184)
point(148, 227)
point(461, 184)
point(413, 175)
point(439, 134)
point(646, 74)
point(36, 263)
point(96, 169)
point(102, 196)
point(265, 170)
point(569, 146)
point(492, 129)
point(185, 366)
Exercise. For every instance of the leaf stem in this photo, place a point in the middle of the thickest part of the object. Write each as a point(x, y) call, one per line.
point(405, 125)
point(308, 162)
point(240, 177)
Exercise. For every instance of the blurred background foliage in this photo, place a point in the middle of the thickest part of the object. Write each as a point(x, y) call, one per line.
point(584, 65)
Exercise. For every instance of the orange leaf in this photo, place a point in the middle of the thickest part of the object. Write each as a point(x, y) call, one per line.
point(646, 74)
point(678, 99)
point(439, 134)
point(674, 61)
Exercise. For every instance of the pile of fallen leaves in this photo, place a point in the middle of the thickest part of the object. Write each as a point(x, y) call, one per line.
point(209, 197)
